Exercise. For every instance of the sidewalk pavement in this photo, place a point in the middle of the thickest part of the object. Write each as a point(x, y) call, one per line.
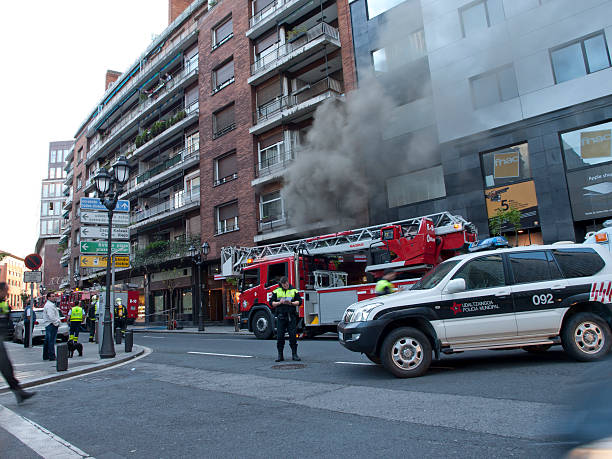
point(32, 370)
point(209, 330)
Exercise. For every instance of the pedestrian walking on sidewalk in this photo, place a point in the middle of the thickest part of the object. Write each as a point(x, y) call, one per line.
point(29, 319)
point(6, 367)
point(51, 319)
point(284, 301)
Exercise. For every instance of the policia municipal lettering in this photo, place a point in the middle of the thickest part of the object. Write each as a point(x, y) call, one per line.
point(285, 300)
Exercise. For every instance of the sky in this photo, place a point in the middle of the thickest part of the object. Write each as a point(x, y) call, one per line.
point(55, 57)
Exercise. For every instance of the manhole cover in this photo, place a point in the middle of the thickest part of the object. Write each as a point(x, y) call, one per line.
point(289, 366)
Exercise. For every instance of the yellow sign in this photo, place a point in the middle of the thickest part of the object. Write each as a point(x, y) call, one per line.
point(521, 196)
point(506, 165)
point(596, 144)
point(91, 261)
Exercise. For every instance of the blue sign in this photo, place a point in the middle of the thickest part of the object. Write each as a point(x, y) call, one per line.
point(97, 204)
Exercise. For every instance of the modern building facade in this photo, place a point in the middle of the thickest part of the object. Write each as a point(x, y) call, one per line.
point(52, 221)
point(516, 104)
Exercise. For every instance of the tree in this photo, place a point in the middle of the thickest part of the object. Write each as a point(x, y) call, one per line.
point(512, 216)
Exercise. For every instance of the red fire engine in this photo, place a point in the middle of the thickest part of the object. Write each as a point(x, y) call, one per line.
point(335, 270)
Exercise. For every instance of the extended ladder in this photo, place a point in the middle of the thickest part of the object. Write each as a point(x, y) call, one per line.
point(234, 258)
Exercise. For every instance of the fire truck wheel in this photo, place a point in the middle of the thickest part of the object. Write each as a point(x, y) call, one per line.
point(406, 352)
point(374, 358)
point(262, 325)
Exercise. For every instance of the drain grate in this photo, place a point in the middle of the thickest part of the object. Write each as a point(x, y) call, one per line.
point(289, 366)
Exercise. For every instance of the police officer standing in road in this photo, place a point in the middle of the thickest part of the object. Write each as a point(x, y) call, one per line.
point(384, 285)
point(285, 300)
point(6, 368)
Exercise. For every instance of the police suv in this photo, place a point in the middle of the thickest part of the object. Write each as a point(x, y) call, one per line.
point(525, 297)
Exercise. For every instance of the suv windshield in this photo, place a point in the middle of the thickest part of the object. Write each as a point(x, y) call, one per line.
point(433, 277)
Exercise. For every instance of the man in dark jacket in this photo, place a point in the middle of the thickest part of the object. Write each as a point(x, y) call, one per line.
point(285, 301)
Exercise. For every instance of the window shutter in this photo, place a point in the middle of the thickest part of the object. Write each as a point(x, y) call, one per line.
point(271, 140)
point(224, 118)
point(261, 4)
point(229, 211)
point(264, 43)
point(224, 73)
point(223, 31)
point(227, 166)
point(191, 95)
point(268, 93)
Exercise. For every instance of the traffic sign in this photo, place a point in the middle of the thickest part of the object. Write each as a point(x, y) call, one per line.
point(101, 218)
point(33, 261)
point(93, 261)
point(97, 204)
point(101, 247)
point(32, 276)
point(101, 232)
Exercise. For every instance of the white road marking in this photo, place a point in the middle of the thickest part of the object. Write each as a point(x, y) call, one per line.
point(222, 355)
point(154, 337)
point(356, 363)
point(36, 437)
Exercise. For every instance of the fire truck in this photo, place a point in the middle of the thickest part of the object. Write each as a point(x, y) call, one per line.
point(334, 270)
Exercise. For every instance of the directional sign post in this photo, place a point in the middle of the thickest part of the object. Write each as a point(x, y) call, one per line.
point(93, 261)
point(101, 218)
point(101, 247)
point(97, 204)
point(101, 232)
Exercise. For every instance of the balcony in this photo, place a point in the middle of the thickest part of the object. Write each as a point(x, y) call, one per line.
point(68, 203)
point(290, 108)
point(183, 78)
point(65, 283)
point(65, 258)
point(69, 177)
point(279, 228)
point(261, 21)
point(70, 155)
point(177, 163)
point(176, 205)
point(158, 252)
point(67, 228)
point(276, 161)
point(146, 69)
point(321, 37)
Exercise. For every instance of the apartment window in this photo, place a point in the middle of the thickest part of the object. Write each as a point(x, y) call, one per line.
point(263, 47)
point(191, 99)
point(222, 76)
point(416, 186)
point(52, 173)
point(226, 168)
point(376, 7)
point(223, 121)
point(58, 172)
point(45, 191)
point(379, 60)
point(271, 207)
point(222, 33)
point(271, 150)
point(227, 217)
point(45, 209)
point(268, 100)
point(480, 15)
point(493, 87)
point(79, 182)
point(580, 57)
point(53, 153)
point(80, 155)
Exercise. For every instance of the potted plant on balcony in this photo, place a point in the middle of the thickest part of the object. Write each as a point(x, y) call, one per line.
point(296, 33)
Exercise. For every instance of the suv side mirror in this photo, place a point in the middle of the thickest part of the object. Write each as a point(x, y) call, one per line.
point(455, 286)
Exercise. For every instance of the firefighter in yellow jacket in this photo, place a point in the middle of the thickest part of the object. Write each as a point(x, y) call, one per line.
point(120, 316)
point(75, 318)
point(285, 301)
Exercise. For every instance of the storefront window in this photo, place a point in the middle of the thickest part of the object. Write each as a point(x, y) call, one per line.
point(588, 146)
point(508, 165)
point(187, 302)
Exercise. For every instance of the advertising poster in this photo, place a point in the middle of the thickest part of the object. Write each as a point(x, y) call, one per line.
point(591, 192)
point(595, 144)
point(521, 196)
point(506, 165)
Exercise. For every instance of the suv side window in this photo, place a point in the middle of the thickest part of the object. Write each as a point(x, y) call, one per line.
point(578, 262)
point(482, 272)
point(532, 267)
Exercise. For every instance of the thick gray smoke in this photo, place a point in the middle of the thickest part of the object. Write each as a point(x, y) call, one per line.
point(350, 150)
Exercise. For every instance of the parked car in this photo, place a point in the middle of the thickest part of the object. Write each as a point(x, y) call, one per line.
point(38, 333)
point(14, 317)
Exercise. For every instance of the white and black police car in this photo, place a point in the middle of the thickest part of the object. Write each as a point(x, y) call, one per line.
point(525, 297)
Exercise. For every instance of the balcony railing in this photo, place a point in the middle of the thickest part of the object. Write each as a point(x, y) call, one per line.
point(143, 107)
point(228, 178)
point(179, 200)
point(275, 106)
point(224, 130)
point(144, 68)
point(275, 161)
point(267, 12)
point(269, 59)
point(272, 223)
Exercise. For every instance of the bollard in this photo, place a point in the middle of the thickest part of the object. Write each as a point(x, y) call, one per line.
point(117, 336)
point(129, 340)
point(61, 362)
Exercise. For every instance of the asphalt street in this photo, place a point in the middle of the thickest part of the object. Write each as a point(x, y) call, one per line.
point(224, 396)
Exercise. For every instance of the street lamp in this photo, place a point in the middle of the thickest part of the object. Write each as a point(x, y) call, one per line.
point(109, 188)
point(77, 278)
point(199, 257)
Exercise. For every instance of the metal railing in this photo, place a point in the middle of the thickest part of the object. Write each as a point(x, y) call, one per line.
point(267, 11)
point(281, 103)
point(142, 107)
point(266, 225)
point(224, 131)
point(277, 162)
point(144, 68)
point(268, 60)
point(176, 202)
point(176, 162)
point(227, 178)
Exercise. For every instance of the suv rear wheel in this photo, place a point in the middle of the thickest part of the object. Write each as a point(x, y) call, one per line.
point(406, 352)
point(586, 336)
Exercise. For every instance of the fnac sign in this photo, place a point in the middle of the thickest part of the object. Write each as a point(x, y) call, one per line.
point(595, 144)
point(506, 165)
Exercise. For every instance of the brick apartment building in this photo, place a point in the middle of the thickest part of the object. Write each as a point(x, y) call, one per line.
point(52, 220)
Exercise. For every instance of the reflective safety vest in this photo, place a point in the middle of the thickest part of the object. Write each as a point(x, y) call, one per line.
point(282, 293)
point(4, 307)
point(382, 286)
point(76, 314)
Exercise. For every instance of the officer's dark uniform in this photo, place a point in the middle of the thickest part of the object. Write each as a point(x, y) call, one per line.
point(92, 315)
point(286, 315)
point(29, 318)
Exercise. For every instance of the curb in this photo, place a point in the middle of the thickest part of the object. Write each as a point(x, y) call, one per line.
point(189, 332)
point(79, 372)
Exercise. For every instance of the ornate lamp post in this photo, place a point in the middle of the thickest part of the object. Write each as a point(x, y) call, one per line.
point(199, 258)
point(109, 189)
point(77, 278)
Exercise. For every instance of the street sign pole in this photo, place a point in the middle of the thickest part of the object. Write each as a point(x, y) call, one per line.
point(31, 314)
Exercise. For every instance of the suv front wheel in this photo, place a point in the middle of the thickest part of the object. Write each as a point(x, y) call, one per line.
point(406, 352)
point(586, 336)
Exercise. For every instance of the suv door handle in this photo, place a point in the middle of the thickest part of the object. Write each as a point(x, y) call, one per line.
point(557, 287)
point(503, 293)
